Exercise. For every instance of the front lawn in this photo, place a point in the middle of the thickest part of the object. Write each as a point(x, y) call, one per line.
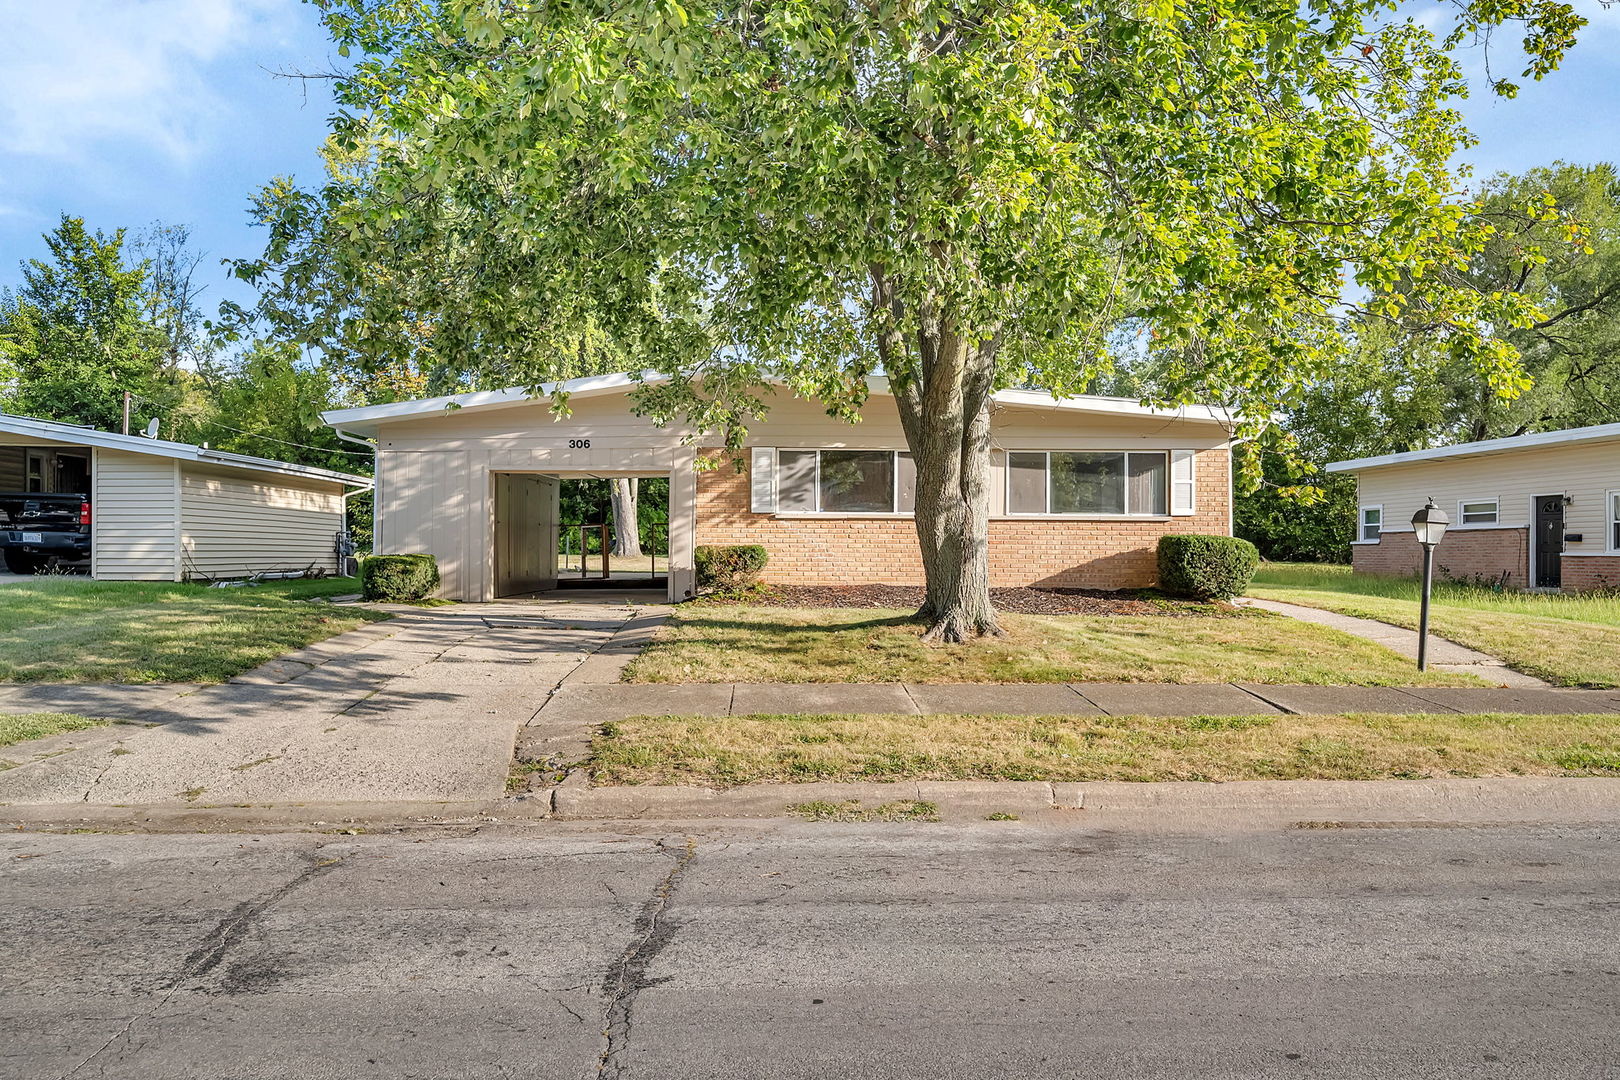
point(705, 644)
point(726, 751)
point(65, 629)
point(1570, 640)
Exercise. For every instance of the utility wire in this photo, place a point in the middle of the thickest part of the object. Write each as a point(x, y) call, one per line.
point(255, 434)
point(285, 442)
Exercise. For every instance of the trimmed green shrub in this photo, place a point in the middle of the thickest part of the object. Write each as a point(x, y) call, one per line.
point(1206, 567)
point(398, 579)
point(729, 567)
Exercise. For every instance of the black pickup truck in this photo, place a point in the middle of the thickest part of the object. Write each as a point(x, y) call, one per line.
point(40, 530)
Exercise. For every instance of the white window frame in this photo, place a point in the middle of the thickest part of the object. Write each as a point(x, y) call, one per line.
point(1496, 513)
point(1361, 523)
point(1006, 487)
point(1611, 520)
point(815, 483)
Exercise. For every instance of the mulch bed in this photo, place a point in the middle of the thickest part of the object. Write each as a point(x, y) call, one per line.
point(1024, 601)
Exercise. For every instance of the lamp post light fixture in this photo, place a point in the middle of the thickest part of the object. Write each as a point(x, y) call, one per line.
point(1430, 525)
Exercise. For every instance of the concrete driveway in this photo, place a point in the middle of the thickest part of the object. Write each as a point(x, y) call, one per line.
point(422, 708)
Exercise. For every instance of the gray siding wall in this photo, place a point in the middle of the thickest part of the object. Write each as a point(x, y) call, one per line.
point(233, 525)
point(13, 471)
point(136, 513)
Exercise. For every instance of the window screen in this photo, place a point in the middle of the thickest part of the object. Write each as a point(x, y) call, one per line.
point(1026, 483)
point(906, 484)
point(796, 481)
point(1372, 518)
point(1147, 492)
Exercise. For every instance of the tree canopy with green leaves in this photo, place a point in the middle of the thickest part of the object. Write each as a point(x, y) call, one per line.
point(75, 336)
point(958, 196)
point(1554, 240)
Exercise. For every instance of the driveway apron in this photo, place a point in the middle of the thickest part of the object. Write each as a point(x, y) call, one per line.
point(422, 708)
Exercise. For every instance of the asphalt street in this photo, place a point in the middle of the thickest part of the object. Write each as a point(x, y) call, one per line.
point(1069, 948)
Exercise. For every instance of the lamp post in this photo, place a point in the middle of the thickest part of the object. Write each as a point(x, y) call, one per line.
point(1430, 525)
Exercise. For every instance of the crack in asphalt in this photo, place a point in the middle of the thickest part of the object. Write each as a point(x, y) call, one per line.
point(215, 946)
point(627, 978)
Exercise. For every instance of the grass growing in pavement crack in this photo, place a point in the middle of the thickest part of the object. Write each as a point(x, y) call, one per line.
point(852, 810)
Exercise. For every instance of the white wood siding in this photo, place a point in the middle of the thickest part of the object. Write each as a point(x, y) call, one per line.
point(1583, 471)
point(232, 525)
point(135, 504)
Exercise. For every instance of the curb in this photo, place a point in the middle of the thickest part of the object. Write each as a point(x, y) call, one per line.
point(358, 817)
point(1301, 803)
point(1489, 800)
point(575, 800)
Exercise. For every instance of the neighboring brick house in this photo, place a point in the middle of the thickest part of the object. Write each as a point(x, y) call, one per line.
point(1532, 511)
point(1082, 488)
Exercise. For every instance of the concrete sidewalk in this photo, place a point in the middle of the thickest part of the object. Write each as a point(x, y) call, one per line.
point(559, 734)
point(597, 704)
point(422, 708)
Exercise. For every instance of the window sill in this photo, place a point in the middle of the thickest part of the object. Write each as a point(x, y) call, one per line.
point(829, 515)
point(1366, 543)
point(1085, 517)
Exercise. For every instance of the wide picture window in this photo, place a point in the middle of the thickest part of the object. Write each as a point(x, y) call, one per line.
point(1087, 482)
point(846, 482)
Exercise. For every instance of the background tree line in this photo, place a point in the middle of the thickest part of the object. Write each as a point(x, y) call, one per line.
point(1398, 392)
point(99, 313)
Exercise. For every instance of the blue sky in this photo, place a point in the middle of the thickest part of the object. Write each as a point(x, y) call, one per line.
point(131, 111)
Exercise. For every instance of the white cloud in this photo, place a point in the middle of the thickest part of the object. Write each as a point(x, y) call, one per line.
point(82, 72)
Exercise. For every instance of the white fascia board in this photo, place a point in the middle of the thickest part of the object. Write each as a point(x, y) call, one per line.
point(73, 434)
point(364, 420)
point(1596, 433)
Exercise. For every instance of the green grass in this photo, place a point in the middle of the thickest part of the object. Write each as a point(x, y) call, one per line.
point(852, 810)
point(728, 751)
point(809, 645)
point(23, 727)
point(1570, 640)
point(64, 629)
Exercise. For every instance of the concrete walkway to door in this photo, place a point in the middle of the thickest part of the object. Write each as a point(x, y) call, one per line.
point(1444, 655)
point(422, 708)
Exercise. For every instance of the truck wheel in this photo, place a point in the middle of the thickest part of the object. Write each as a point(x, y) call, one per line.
point(19, 562)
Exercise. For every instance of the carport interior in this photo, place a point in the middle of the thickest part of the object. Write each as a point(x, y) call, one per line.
point(554, 531)
point(41, 468)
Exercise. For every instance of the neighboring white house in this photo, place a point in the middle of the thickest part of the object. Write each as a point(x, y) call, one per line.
point(168, 511)
point(1532, 511)
point(1081, 488)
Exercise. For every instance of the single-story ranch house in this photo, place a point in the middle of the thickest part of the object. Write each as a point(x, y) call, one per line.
point(171, 511)
point(1531, 511)
point(1083, 487)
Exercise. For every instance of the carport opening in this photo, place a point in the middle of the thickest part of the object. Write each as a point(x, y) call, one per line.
point(614, 532)
point(44, 507)
point(578, 532)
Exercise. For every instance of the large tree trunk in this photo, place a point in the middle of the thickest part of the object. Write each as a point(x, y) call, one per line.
point(626, 526)
point(944, 407)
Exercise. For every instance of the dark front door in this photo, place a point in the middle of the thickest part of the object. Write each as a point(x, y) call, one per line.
point(1549, 540)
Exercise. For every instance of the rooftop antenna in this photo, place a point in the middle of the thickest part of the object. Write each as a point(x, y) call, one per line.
point(152, 428)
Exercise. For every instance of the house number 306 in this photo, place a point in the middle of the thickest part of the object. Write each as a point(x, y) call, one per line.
point(579, 444)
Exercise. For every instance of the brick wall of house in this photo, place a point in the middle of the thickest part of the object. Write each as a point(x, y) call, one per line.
point(1464, 554)
point(830, 550)
point(1590, 572)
